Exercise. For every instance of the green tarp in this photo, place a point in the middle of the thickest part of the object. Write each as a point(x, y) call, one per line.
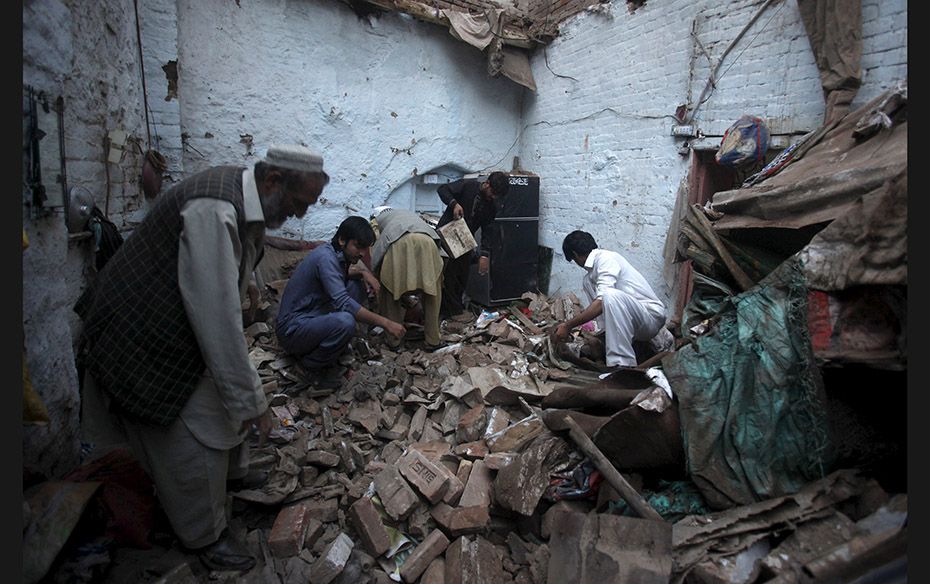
point(751, 398)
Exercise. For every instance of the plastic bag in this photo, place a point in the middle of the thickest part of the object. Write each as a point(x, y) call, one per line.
point(745, 141)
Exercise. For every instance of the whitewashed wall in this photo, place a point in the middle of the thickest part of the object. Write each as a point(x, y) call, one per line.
point(87, 53)
point(384, 98)
point(601, 139)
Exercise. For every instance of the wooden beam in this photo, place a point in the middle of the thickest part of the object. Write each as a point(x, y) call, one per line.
point(613, 476)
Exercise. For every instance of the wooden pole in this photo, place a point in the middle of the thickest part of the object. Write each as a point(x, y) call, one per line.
point(613, 476)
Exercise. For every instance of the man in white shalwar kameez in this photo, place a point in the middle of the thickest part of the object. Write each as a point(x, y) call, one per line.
point(620, 300)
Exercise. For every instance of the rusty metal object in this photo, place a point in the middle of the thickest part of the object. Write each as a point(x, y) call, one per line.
point(152, 168)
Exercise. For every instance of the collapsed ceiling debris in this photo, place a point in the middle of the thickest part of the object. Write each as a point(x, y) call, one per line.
point(506, 35)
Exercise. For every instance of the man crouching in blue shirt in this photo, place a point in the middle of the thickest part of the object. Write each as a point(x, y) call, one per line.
point(320, 305)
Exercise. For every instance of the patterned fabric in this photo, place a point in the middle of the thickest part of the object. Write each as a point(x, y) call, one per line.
point(138, 343)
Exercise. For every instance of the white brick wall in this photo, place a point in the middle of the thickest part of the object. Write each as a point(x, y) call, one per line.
point(362, 92)
point(614, 172)
point(87, 53)
point(159, 27)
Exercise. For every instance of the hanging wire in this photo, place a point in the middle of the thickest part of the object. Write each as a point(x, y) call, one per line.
point(145, 97)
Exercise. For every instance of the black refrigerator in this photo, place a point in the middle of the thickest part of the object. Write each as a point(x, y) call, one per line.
point(513, 241)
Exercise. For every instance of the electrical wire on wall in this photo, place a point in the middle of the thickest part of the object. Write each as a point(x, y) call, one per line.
point(145, 95)
point(572, 121)
point(712, 79)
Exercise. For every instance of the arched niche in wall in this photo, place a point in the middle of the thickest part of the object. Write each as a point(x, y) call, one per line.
point(419, 192)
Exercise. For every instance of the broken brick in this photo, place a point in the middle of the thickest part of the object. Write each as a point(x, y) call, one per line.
point(464, 471)
point(435, 573)
point(478, 488)
point(324, 511)
point(472, 424)
point(474, 561)
point(499, 460)
point(322, 458)
point(288, 531)
point(424, 475)
point(367, 523)
point(416, 424)
point(472, 450)
point(398, 498)
point(458, 521)
point(332, 560)
point(314, 531)
point(417, 562)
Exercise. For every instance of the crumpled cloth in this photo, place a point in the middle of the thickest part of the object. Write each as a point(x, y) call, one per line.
point(475, 29)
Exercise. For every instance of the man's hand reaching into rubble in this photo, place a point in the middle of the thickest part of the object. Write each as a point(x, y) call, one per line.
point(457, 211)
point(561, 332)
point(564, 330)
point(395, 328)
point(262, 423)
point(255, 298)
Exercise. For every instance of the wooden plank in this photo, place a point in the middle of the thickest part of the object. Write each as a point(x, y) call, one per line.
point(707, 230)
point(613, 476)
point(525, 321)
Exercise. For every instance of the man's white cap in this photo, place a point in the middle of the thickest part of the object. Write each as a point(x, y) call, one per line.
point(294, 157)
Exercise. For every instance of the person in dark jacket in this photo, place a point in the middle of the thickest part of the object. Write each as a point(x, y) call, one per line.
point(167, 366)
point(476, 203)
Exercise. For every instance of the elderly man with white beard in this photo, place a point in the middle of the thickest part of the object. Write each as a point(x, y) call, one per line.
point(166, 363)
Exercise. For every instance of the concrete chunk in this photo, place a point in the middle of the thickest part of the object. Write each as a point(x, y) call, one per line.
point(417, 562)
point(498, 419)
point(332, 560)
point(398, 498)
point(607, 549)
point(368, 524)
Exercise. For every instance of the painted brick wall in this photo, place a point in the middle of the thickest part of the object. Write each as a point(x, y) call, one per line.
point(87, 53)
point(159, 27)
point(598, 129)
point(384, 98)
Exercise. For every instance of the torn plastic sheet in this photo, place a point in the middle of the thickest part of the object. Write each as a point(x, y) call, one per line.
point(657, 376)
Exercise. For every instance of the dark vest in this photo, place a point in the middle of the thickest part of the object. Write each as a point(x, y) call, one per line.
point(138, 343)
